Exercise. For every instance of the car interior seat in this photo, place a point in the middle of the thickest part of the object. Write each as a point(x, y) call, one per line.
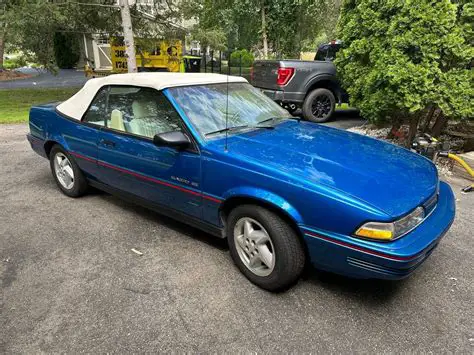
point(116, 120)
point(144, 122)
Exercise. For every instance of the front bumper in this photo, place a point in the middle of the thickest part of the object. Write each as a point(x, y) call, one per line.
point(360, 258)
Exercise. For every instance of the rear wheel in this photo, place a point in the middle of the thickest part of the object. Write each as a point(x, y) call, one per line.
point(264, 247)
point(66, 172)
point(319, 105)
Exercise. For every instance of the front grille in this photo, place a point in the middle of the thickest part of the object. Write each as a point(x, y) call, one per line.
point(369, 266)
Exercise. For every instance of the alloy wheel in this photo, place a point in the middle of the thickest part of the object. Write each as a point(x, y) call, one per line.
point(321, 106)
point(63, 170)
point(254, 246)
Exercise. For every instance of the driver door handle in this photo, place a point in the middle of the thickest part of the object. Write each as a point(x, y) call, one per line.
point(107, 143)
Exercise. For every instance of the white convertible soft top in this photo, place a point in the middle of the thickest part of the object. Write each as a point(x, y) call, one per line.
point(75, 106)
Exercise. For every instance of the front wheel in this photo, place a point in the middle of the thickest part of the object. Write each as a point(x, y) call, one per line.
point(319, 105)
point(66, 172)
point(264, 247)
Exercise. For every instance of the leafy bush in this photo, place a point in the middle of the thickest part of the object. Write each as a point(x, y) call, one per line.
point(247, 58)
point(401, 58)
point(15, 62)
point(66, 50)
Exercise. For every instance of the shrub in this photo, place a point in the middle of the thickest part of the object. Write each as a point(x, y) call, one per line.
point(15, 62)
point(247, 58)
point(401, 58)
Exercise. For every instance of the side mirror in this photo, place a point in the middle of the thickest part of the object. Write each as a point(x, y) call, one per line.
point(174, 139)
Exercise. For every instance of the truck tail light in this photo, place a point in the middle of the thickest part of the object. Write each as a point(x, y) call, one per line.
point(284, 75)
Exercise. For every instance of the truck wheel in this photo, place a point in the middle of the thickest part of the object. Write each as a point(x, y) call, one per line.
point(264, 247)
point(319, 105)
point(66, 172)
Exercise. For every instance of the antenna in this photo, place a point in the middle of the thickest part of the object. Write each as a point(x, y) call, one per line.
point(226, 110)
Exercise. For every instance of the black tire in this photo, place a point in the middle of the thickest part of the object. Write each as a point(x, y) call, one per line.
point(288, 249)
point(79, 185)
point(319, 105)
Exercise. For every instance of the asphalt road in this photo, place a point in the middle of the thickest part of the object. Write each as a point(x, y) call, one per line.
point(65, 78)
point(70, 283)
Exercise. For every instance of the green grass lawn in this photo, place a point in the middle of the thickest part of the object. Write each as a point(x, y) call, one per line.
point(343, 106)
point(15, 104)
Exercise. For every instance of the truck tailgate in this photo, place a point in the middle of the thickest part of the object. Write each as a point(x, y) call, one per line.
point(265, 74)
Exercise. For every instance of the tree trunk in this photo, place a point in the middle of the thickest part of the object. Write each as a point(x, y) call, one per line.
point(439, 124)
point(428, 118)
point(2, 48)
point(128, 36)
point(412, 131)
point(394, 132)
point(264, 30)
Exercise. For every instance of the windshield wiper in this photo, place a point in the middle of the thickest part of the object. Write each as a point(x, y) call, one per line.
point(234, 128)
point(273, 119)
point(258, 126)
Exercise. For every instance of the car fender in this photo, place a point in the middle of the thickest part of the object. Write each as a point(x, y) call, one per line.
point(52, 139)
point(264, 196)
point(334, 84)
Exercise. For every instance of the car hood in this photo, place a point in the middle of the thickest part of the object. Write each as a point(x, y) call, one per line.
point(383, 175)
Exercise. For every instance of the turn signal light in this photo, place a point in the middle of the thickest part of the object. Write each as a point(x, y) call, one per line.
point(373, 231)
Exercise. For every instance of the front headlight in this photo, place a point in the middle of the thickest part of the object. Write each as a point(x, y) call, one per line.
point(392, 230)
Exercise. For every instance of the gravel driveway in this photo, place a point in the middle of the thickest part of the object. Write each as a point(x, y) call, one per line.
point(69, 283)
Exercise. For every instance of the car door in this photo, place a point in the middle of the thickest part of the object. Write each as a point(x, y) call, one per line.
point(82, 138)
point(131, 162)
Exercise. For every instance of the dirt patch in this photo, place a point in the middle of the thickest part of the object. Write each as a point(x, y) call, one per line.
point(6, 75)
point(455, 137)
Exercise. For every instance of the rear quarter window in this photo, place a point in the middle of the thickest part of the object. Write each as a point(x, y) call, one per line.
point(97, 109)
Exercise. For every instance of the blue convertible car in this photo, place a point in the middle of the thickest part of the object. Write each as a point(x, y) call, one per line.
point(214, 152)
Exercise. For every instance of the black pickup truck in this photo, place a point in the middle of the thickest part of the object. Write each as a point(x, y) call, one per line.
point(309, 85)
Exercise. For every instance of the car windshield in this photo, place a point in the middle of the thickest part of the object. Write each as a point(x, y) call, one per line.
point(205, 106)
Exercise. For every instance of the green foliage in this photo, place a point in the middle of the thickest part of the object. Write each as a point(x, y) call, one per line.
point(294, 25)
point(402, 56)
point(247, 58)
point(290, 24)
point(15, 62)
point(66, 50)
point(229, 24)
point(30, 25)
point(215, 38)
